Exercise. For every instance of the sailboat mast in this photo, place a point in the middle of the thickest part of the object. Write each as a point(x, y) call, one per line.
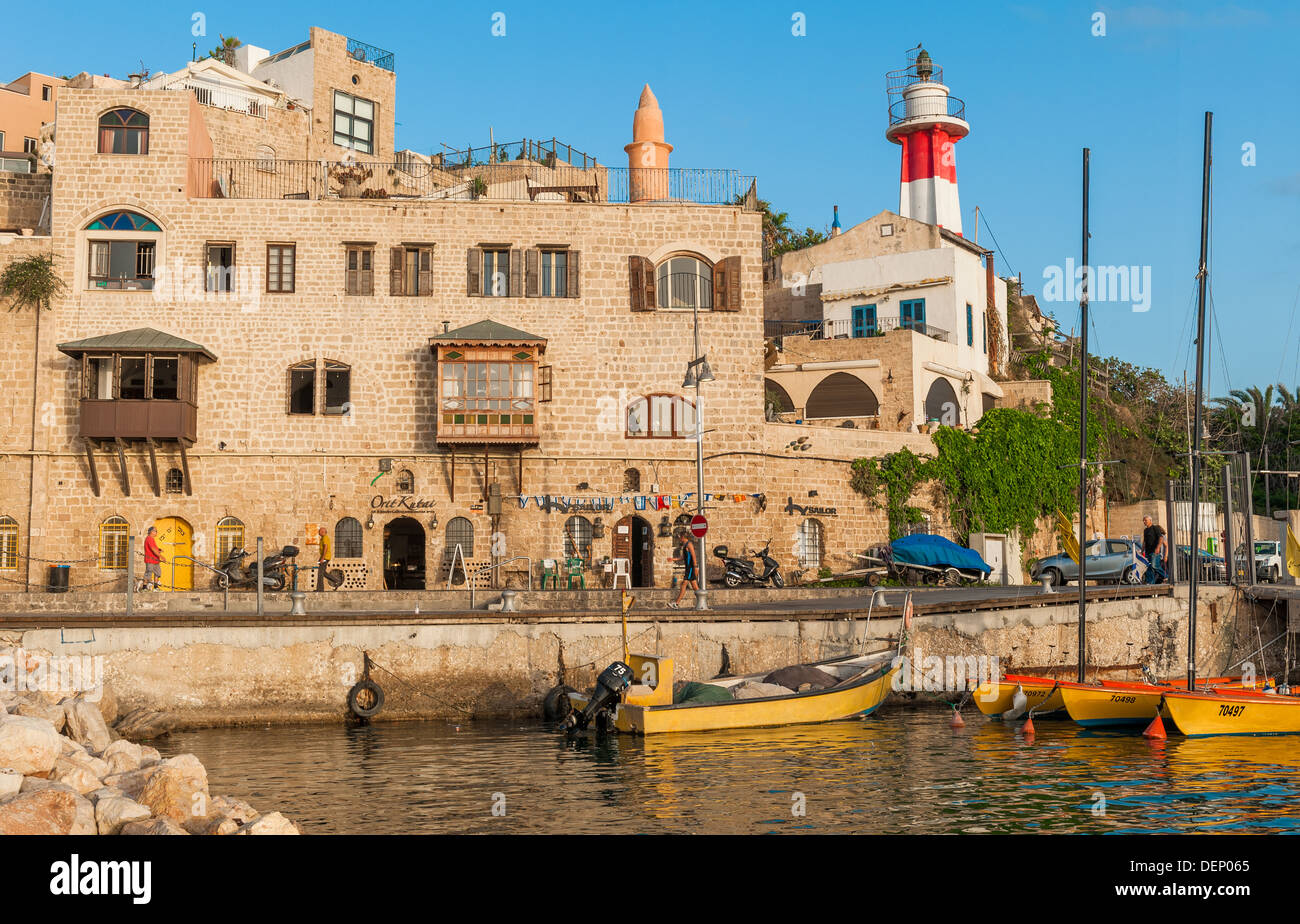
point(1083, 435)
point(1202, 275)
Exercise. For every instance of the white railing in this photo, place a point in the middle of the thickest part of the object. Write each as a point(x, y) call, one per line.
point(222, 98)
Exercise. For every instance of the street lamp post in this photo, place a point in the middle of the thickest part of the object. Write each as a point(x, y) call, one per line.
point(697, 373)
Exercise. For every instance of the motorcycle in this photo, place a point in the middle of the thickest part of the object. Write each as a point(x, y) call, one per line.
point(739, 571)
point(275, 568)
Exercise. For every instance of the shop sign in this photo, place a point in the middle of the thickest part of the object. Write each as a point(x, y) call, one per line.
point(401, 502)
point(795, 510)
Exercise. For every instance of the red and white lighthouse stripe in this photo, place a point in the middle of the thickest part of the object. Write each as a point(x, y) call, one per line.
point(928, 185)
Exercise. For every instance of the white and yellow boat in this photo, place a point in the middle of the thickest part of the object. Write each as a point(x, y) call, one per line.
point(1225, 712)
point(1042, 695)
point(647, 708)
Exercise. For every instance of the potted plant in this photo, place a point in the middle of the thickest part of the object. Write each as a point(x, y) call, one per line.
point(478, 187)
point(349, 177)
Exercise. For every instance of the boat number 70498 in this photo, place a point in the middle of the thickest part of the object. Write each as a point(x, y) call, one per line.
point(1228, 709)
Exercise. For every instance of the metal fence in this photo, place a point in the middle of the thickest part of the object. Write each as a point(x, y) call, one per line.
point(416, 177)
point(1222, 512)
point(846, 328)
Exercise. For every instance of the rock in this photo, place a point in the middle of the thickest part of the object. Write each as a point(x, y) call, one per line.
point(84, 823)
point(76, 774)
point(130, 783)
point(70, 748)
point(28, 745)
point(173, 789)
point(142, 724)
point(152, 826)
point(112, 812)
point(122, 756)
point(213, 824)
point(37, 707)
point(236, 810)
point(37, 784)
point(49, 811)
point(10, 782)
point(105, 792)
point(86, 726)
point(149, 756)
point(271, 823)
point(107, 704)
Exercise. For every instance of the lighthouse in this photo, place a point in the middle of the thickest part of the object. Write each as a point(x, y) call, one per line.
point(927, 123)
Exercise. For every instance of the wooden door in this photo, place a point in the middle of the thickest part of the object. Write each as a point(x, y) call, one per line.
point(175, 537)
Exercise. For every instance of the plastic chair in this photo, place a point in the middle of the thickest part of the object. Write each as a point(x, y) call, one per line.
point(575, 571)
point(550, 572)
point(623, 569)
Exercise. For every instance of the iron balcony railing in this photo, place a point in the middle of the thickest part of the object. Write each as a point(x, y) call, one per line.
point(947, 106)
point(845, 329)
point(416, 177)
point(360, 51)
point(552, 153)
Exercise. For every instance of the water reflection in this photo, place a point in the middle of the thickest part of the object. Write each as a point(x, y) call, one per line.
point(897, 772)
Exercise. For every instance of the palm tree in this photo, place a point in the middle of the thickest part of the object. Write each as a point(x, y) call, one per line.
point(225, 52)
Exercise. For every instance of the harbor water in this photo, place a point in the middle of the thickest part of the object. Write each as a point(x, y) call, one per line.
point(901, 771)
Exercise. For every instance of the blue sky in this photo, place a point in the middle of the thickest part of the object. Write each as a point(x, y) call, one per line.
point(807, 115)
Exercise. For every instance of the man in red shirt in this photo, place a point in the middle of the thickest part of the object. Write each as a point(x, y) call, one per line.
point(153, 559)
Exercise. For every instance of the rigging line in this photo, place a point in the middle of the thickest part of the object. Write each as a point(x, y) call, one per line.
point(998, 247)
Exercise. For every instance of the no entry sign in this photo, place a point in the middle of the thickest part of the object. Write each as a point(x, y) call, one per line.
point(699, 526)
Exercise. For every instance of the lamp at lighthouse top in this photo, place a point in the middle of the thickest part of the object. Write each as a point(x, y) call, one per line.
point(918, 100)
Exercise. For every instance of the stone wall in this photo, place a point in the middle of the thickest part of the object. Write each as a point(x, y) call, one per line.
point(23, 197)
point(1026, 395)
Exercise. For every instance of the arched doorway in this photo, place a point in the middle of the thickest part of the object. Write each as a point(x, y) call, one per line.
point(842, 395)
point(175, 537)
point(403, 554)
point(634, 540)
point(941, 404)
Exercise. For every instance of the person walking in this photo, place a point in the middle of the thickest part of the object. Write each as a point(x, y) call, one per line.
point(326, 553)
point(1155, 546)
point(689, 577)
point(153, 559)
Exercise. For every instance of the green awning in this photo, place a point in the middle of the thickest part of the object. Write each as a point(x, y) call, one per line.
point(140, 340)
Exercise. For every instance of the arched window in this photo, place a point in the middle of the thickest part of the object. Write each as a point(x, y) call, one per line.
point(405, 482)
point(8, 544)
point(124, 131)
point(577, 538)
point(632, 479)
point(265, 157)
point(338, 388)
point(347, 538)
point(776, 400)
point(123, 221)
point(941, 403)
point(175, 481)
point(809, 544)
point(460, 532)
point(661, 417)
point(122, 261)
point(302, 387)
point(230, 535)
point(684, 282)
point(112, 544)
point(842, 395)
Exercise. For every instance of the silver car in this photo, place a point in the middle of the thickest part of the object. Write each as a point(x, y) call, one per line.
point(1109, 561)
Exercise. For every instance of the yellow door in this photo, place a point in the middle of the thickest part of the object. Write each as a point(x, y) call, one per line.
point(176, 538)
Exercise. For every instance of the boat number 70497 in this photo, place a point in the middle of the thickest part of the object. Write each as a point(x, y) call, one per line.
point(1228, 709)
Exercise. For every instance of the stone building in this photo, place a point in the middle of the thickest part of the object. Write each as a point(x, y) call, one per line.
point(275, 321)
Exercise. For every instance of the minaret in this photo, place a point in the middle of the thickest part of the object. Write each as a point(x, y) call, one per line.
point(647, 155)
point(927, 122)
point(835, 225)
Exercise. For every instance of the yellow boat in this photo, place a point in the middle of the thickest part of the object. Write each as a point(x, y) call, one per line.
point(1223, 712)
point(1119, 703)
point(648, 709)
point(1042, 695)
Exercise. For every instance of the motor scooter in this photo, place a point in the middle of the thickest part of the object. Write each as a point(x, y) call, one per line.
point(739, 571)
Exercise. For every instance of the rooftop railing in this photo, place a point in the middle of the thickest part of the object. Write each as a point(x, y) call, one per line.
point(360, 51)
point(415, 177)
point(846, 329)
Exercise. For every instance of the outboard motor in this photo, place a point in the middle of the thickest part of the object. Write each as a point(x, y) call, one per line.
point(610, 685)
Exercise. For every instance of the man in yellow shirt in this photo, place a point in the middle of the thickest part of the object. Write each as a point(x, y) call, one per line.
point(326, 553)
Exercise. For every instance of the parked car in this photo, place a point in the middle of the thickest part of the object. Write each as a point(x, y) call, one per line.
point(1110, 561)
point(1214, 568)
point(1268, 560)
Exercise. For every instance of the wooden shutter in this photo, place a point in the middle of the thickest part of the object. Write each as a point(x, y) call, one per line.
point(531, 257)
point(366, 271)
point(575, 259)
point(396, 270)
point(352, 277)
point(516, 273)
point(731, 273)
point(720, 286)
point(425, 265)
point(474, 271)
point(636, 283)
